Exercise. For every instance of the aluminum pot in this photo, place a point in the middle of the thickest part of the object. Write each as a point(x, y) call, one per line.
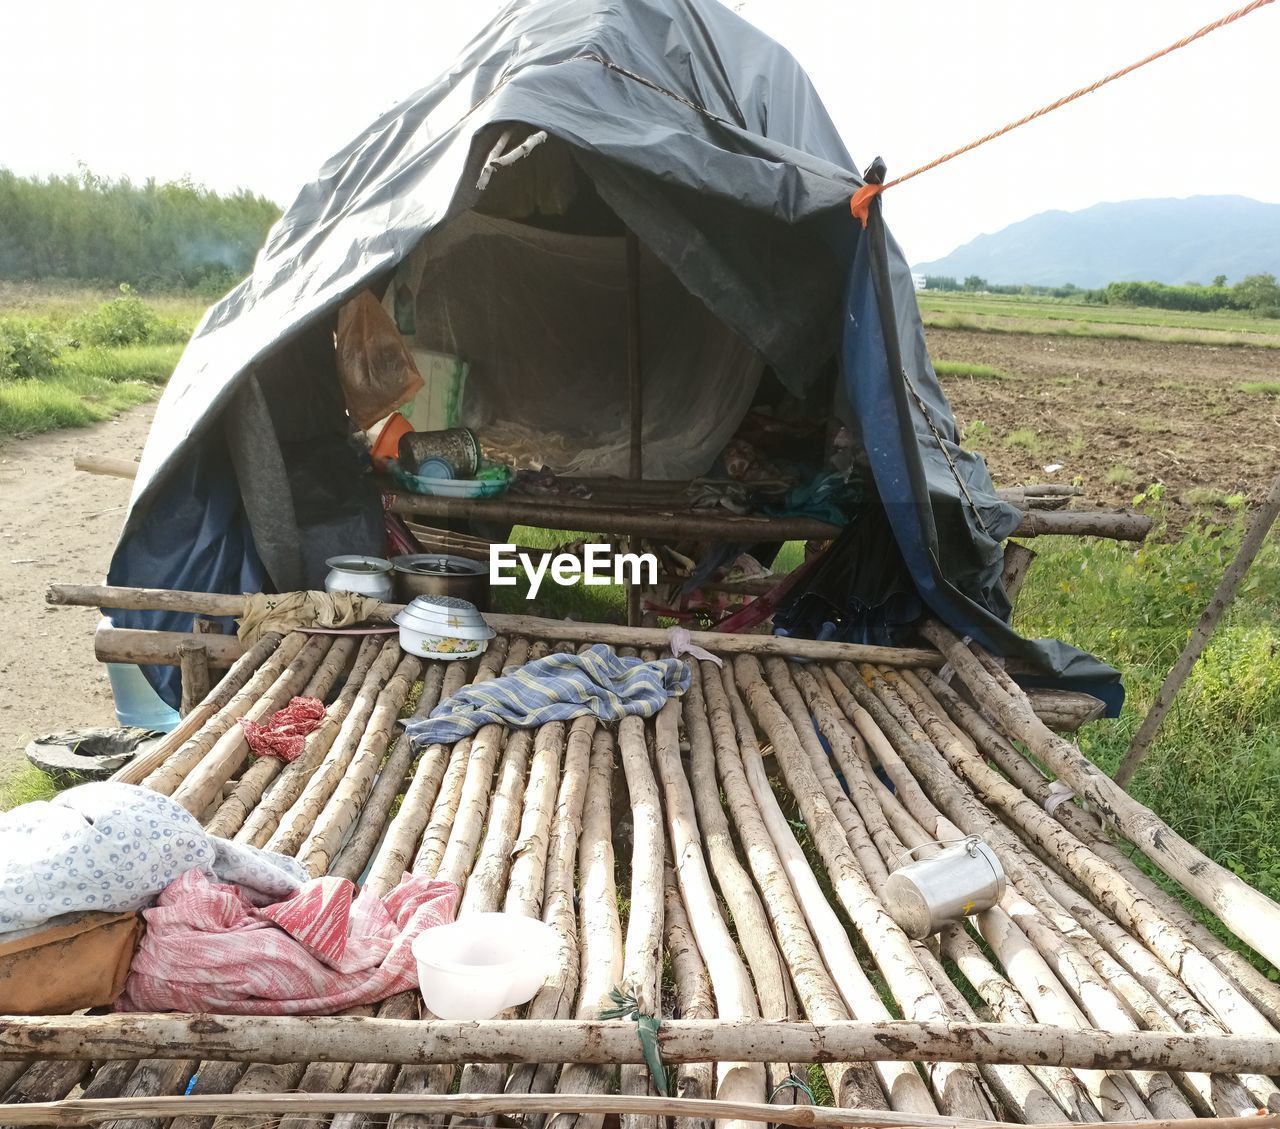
point(365, 576)
point(441, 574)
point(926, 896)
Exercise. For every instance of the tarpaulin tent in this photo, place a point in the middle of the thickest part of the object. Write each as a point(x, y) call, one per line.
point(677, 120)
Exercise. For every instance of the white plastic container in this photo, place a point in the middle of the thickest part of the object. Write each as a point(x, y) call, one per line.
point(483, 963)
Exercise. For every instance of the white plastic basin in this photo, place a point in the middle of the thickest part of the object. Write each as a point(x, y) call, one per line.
point(483, 963)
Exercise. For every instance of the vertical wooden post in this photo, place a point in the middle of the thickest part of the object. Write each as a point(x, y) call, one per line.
point(1222, 598)
point(1017, 562)
point(635, 398)
point(193, 662)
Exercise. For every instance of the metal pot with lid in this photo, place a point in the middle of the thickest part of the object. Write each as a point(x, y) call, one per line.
point(441, 574)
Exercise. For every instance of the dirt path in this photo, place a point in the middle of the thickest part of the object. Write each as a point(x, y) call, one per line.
point(56, 524)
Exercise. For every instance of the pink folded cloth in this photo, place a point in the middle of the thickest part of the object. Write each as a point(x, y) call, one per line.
point(206, 949)
point(285, 731)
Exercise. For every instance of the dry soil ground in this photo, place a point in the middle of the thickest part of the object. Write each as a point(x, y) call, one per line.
point(56, 523)
point(1118, 415)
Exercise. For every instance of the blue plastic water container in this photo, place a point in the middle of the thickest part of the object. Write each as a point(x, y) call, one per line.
point(136, 702)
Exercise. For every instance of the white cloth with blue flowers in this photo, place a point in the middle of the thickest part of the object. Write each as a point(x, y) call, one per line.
point(114, 847)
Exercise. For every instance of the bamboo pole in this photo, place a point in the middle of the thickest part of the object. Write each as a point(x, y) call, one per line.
point(1259, 526)
point(255, 823)
point(248, 790)
point(296, 824)
point(751, 924)
point(534, 627)
point(303, 1039)
point(741, 775)
point(202, 784)
point(735, 999)
point(165, 767)
point(527, 883)
point(395, 854)
point(1252, 916)
point(642, 950)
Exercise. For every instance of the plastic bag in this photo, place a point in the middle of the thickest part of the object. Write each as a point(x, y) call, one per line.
point(375, 367)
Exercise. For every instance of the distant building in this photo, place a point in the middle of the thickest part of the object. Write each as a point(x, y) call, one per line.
point(918, 281)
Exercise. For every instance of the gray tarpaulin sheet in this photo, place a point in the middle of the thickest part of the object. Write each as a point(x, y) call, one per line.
point(706, 139)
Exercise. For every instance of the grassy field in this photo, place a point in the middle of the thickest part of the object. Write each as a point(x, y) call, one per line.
point(96, 353)
point(1001, 313)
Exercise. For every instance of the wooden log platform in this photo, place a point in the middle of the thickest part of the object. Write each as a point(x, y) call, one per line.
point(784, 789)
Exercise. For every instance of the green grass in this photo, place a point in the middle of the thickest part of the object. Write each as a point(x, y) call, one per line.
point(1025, 438)
point(149, 364)
point(25, 785)
point(970, 371)
point(1263, 387)
point(1212, 771)
point(1119, 476)
point(67, 399)
point(996, 312)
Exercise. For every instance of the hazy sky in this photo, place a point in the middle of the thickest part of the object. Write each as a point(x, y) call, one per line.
point(258, 93)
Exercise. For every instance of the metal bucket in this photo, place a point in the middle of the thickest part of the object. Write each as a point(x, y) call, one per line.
point(926, 896)
point(457, 446)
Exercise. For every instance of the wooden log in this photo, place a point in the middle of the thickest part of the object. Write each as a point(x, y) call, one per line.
point(534, 627)
point(261, 1080)
point(1259, 526)
point(46, 1080)
point(694, 998)
point(555, 999)
point(297, 823)
point(1116, 525)
point(396, 853)
point(105, 464)
point(1065, 710)
point(528, 874)
point(329, 832)
point(202, 784)
point(193, 663)
point(742, 777)
point(248, 790)
point(371, 824)
point(751, 923)
point(254, 821)
point(1252, 916)
point(642, 950)
point(1018, 560)
point(153, 1077)
point(302, 1039)
point(735, 1079)
point(600, 933)
point(212, 1078)
point(169, 775)
point(218, 698)
point(956, 1088)
point(160, 648)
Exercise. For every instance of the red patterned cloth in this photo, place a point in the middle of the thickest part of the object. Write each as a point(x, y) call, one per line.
point(285, 730)
point(206, 949)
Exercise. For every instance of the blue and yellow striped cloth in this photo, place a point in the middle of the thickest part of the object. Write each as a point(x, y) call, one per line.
point(556, 688)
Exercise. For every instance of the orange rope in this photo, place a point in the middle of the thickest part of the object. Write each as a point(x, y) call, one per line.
point(863, 197)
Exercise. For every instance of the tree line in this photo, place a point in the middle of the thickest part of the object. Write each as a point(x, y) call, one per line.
point(1257, 293)
point(152, 235)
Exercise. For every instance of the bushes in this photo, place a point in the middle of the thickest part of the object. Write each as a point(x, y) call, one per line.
point(1258, 294)
point(28, 349)
point(126, 320)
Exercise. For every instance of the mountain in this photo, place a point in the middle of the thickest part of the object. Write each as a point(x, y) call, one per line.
point(1171, 241)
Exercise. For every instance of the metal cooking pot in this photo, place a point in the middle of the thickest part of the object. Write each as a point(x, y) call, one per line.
point(441, 574)
point(958, 882)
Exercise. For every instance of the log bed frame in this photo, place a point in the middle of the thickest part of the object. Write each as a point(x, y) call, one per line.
point(748, 828)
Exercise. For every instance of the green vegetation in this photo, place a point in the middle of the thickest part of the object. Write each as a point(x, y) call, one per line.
point(1025, 438)
point(1119, 476)
point(996, 313)
point(1211, 773)
point(25, 785)
point(68, 367)
point(152, 235)
point(1262, 387)
point(970, 371)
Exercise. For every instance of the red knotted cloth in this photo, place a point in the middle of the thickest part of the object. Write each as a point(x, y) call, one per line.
point(284, 732)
